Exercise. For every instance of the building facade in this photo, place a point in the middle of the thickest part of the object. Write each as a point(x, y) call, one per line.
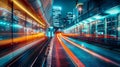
point(69, 17)
point(56, 17)
point(43, 8)
point(100, 21)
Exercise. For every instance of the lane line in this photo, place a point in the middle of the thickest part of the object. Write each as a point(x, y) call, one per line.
point(90, 52)
point(38, 55)
point(76, 61)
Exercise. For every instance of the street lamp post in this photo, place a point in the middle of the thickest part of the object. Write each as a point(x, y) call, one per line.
point(79, 7)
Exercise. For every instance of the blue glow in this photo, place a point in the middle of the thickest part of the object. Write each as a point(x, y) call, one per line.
point(57, 7)
point(48, 34)
point(51, 27)
point(0, 22)
point(86, 21)
point(8, 24)
point(97, 17)
point(3, 23)
point(114, 10)
point(5, 59)
point(90, 20)
point(17, 26)
point(80, 23)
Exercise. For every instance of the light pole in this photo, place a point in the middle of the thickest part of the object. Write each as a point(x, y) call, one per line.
point(79, 7)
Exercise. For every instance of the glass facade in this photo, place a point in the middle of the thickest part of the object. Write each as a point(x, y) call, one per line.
point(112, 26)
point(15, 23)
point(102, 29)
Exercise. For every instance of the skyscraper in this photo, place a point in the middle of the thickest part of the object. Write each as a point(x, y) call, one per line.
point(69, 17)
point(57, 16)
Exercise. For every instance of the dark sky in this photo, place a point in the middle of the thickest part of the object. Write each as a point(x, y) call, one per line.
point(67, 5)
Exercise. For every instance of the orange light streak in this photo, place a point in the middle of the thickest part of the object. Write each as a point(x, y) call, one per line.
point(73, 35)
point(76, 61)
point(21, 39)
point(91, 52)
point(17, 3)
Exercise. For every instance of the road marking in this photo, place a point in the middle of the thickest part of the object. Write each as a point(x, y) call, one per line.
point(37, 56)
point(49, 58)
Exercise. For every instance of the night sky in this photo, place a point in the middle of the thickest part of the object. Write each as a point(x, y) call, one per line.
point(67, 5)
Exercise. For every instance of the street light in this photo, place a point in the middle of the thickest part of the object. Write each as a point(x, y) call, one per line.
point(79, 7)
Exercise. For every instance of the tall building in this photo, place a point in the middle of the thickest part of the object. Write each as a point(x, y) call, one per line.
point(69, 17)
point(75, 15)
point(57, 16)
point(106, 21)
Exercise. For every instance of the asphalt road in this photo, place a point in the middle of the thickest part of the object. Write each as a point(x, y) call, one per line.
point(93, 56)
point(35, 54)
point(31, 57)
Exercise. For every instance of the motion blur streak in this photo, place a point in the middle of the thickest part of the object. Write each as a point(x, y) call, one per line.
point(22, 7)
point(91, 52)
point(5, 59)
point(20, 39)
point(68, 34)
point(49, 58)
point(71, 55)
point(57, 51)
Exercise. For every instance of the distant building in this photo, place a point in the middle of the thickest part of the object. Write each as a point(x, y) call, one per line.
point(57, 16)
point(69, 17)
point(75, 15)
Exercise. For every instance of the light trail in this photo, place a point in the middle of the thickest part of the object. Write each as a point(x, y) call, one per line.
point(5, 59)
point(21, 39)
point(71, 35)
point(28, 12)
point(91, 52)
point(76, 61)
point(37, 57)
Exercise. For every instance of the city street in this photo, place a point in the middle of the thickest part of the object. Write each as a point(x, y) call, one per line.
point(59, 33)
